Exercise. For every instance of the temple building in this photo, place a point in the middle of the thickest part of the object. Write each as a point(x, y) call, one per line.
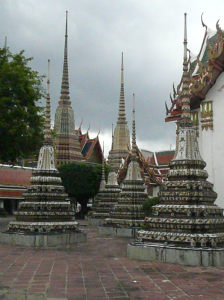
point(90, 147)
point(128, 211)
point(13, 182)
point(186, 227)
point(149, 172)
point(67, 145)
point(158, 161)
point(46, 216)
point(121, 135)
point(205, 78)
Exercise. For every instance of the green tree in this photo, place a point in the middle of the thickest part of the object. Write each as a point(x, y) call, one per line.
point(147, 205)
point(21, 121)
point(81, 181)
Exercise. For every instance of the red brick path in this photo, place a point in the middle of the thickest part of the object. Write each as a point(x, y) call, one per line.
point(99, 270)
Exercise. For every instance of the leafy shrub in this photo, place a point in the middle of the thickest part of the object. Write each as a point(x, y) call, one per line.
point(147, 206)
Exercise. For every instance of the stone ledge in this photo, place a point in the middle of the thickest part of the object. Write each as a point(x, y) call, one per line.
point(95, 221)
point(118, 231)
point(42, 240)
point(205, 257)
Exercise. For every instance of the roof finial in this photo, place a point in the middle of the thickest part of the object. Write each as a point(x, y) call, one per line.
point(80, 126)
point(202, 22)
point(133, 128)
point(47, 130)
point(88, 129)
point(121, 113)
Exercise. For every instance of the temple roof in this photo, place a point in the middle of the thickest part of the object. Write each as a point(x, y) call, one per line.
point(13, 181)
point(203, 70)
point(149, 173)
point(88, 145)
point(15, 176)
point(160, 158)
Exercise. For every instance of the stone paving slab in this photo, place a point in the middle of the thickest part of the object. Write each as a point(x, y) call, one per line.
point(99, 269)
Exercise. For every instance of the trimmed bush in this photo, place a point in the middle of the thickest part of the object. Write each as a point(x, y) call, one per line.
point(147, 206)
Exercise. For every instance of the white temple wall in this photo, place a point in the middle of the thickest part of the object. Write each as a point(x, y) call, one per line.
point(211, 141)
point(155, 191)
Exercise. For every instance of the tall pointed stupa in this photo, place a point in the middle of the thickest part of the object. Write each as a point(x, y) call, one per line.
point(46, 208)
point(67, 145)
point(121, 135)
point(186, 227)
point(128, 212)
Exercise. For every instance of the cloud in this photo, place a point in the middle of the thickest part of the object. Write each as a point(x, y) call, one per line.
point(149, 32)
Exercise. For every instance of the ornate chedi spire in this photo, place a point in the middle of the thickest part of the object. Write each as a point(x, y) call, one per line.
point(67, 143)
point(46, 207)
point(103, 180)
point(186, 215)
point(128, 211)
point(121, 136)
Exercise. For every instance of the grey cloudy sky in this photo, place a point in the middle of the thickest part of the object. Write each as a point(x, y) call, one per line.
point(150, 33)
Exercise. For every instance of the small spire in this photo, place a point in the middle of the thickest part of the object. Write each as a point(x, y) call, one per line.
point(88, 129)
point(47, 130)
point(65, 98)
point(5, 46)
point(121, 112)
point(133, 128)
point(185, 115)
point(185, 36)
point(66, 25)
point(103, 180)
point(112, 143)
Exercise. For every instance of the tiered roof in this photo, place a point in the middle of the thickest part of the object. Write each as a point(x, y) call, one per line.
point(90, 147)
point(203, 71)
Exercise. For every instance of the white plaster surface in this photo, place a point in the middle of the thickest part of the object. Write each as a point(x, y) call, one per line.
point(211, 142)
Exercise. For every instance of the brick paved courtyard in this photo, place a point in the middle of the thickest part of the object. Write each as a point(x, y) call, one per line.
point(100, 270)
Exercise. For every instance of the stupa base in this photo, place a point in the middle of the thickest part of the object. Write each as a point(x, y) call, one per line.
point(118, 231)
point(42, 240)
point(205, 257)
point(96, 221)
